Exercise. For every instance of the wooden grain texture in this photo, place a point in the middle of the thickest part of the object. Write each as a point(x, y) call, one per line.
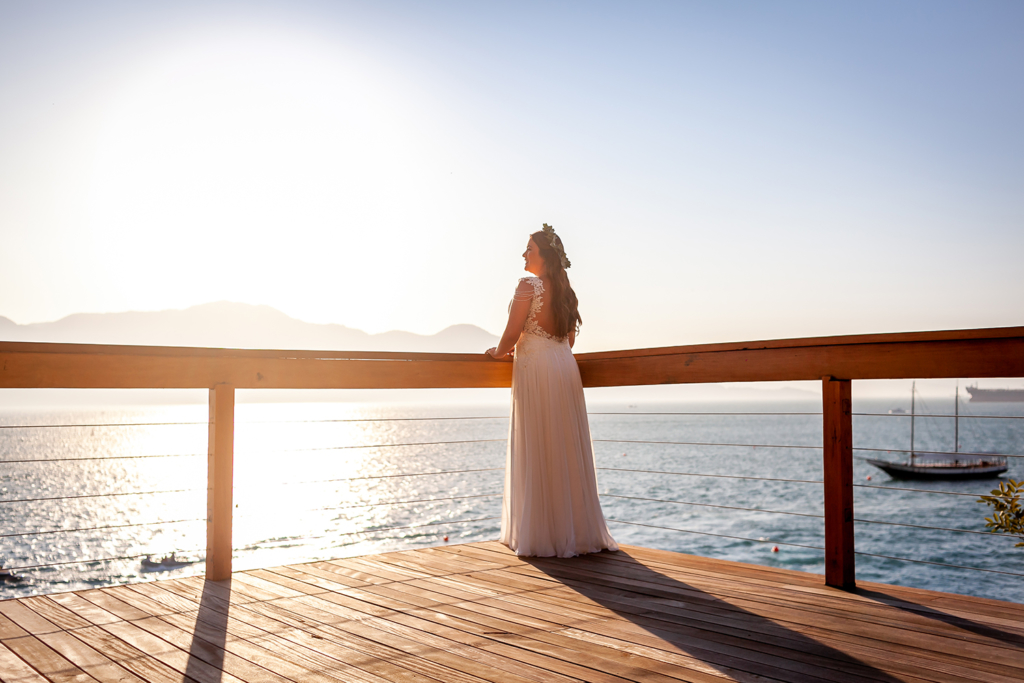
point(133, 371)
point(997, 352)
point(13, 668)
point(837, 421)
point(220, 482)
point(477, 613)
point(1001, 357)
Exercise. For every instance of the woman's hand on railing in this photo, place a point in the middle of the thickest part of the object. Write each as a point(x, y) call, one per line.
point(493, 353)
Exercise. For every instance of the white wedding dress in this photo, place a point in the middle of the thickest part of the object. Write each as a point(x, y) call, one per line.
point(550, 507)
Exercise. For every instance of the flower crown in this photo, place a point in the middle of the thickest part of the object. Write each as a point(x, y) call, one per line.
point(556, 244)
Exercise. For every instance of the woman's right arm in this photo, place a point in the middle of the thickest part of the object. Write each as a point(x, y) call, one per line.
point(517, 314)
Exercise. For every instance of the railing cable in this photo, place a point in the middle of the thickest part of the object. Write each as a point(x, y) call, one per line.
point(939, 564)
point(104, 424)
point(921, 451)
point(103, 559)
point(394, 528)
point(702, 443)
point(709, 505)
point(110, 457)
point(256, 422)
point(900, 488)
point(962, 416)
point(694, 413)
point(378, 419)
point(813, 547)
point(708, 533)
point(101, 528)
point(102, 495)
point(419, 526)
point(387, 476)
point(931, 528)
point(798, 514)
point(385, 445)
point(404, 502)
point(715, 476)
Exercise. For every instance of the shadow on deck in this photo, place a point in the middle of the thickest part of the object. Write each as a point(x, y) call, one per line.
point(476, 612)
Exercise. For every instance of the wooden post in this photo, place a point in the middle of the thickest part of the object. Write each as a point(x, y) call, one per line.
point(838, 466)
point(219, 493)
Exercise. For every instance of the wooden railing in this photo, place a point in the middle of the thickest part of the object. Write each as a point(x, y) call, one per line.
point(835, 361)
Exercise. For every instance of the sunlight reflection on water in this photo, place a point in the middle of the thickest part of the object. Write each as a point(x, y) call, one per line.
point(318, 481)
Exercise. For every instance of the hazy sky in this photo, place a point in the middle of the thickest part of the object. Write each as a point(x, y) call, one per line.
point(718, 170)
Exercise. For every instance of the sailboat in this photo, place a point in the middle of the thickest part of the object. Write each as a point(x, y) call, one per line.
point(932, 465)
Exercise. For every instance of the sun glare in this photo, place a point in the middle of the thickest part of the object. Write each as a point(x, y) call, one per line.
point(253, 148)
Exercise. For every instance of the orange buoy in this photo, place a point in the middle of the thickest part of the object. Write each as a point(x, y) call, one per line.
point(775, 548)
point(445, 539)
point(869, 477)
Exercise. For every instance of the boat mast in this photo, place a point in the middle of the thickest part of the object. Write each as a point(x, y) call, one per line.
point(913, 391)
point(956, 420)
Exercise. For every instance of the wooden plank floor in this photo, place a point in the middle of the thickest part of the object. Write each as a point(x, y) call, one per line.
point(476, 612)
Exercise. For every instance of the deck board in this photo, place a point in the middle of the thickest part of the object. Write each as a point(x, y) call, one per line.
point(476, 613)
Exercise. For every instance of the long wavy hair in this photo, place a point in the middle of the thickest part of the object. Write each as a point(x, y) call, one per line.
point(563, 301)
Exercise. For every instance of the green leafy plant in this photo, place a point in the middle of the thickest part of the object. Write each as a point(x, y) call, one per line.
point(1008, 517)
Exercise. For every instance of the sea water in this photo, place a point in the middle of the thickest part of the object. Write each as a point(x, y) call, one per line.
point(327, 480)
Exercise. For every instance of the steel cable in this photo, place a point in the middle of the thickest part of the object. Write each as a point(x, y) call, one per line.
point(99, 528)
point(799, 514)
point(939, 564)
point(103, 495)
point(386, 476)
point(491, 417)
point(920, 451)
point(693, 413)
point(409, 526)
point(106, 424)
point(709, 505)
point(419, 526)
point(383, 445)
point(378, 419)
point(899, 488)
point(932, 528)
point(715, 476)
point(702, 443)
point(708, 533)
point(403, 502)
point(962, 416)
point(111, 457)
point(812, 547)
point(99, 559)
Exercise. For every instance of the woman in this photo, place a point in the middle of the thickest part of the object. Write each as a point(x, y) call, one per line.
point(550, 507)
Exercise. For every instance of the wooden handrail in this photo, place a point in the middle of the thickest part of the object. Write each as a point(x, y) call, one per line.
point(997, 352)
point(217, 352)
point(835, 361)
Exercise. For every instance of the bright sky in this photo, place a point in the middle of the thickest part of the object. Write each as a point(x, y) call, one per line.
point(718, 170)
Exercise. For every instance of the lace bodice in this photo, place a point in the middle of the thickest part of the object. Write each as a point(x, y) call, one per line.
point(536, 301)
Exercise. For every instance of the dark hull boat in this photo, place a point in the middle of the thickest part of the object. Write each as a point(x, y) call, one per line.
point(933, 466)
point(165, 564)
point(965, 467)
point(7, 576)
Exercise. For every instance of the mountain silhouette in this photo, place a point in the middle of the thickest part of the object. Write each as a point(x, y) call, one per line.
point(233, 325)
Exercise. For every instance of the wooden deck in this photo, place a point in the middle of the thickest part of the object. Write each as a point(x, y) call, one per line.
point(477, 613)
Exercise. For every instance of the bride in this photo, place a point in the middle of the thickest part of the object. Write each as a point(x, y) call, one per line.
point(550, 506)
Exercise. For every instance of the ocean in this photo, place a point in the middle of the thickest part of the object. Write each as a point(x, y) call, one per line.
point(327, 480)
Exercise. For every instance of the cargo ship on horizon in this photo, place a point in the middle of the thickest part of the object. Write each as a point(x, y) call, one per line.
point(995, 395)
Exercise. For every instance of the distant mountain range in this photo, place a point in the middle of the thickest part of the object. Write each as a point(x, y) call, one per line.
point(233, 325)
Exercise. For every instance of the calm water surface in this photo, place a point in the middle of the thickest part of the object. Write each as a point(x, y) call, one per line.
point(319, 481)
